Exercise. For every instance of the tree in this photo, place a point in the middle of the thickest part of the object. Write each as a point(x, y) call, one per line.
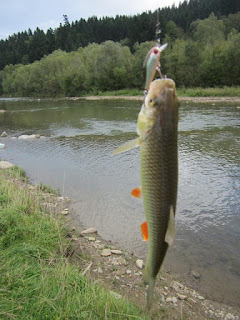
point(210, 30)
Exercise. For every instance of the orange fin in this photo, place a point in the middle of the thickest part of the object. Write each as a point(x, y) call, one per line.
point(137, 192)
point(144, 229)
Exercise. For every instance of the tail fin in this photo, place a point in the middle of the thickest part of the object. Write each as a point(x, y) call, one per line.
point(148, 280)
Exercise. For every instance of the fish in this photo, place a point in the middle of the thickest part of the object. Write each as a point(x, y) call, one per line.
point(151, 63)
point(157, 129)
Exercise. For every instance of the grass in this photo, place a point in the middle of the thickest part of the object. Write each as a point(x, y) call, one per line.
point(43, 187)
point(182, 92)
point(38, 280)
point(209, 92)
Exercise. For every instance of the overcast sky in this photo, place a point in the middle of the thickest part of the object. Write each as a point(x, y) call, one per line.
point(19, 15)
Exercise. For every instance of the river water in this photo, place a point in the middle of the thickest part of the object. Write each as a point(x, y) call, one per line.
point(76, 157)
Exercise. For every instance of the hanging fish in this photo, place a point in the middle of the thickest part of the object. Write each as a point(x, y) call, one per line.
point(158, 140)
point(152, 63)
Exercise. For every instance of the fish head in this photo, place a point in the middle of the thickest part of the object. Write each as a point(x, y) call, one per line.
point(160, 106)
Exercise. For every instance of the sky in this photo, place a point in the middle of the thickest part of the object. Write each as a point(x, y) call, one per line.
point(19, 15)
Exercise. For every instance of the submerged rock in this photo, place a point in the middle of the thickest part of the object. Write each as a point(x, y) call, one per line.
point(26, 137)
point(2, 146)
point(6, 165)
point(4, 134)
point(195, 274)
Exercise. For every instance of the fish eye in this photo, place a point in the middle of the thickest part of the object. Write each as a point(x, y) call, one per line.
point(155, 51)
point(151, 103)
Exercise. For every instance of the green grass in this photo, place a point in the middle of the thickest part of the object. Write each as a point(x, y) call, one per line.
point(43, 187)
point(37, 280)
point(209, 92)
point(123, 92)
point(182, 92)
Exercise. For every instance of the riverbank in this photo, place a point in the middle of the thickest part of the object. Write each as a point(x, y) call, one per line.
point(185, 99)
point(55, 271)
point(209, 99)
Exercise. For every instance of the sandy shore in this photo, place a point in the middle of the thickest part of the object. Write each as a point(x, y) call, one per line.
point(140, 98)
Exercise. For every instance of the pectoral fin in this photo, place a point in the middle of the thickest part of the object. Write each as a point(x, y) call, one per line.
point(128, 146)
point(137, 192)
point(171, 230)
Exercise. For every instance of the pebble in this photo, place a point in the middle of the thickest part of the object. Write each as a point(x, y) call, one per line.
point(115, 263)
point(182, 296)
point(128, 272)
point(169, 299)
point(116, 295)
point(4, 134)
point(37, 136)
point(91, 238)
point(64, 213)
point(2, 146)
point(195, 274)
point(99, 270)
point(89, 230)
point(120, 272)
point(98, 241)
point(6, 165)
point(139, 263)
point(106, 253)
point(200, 298)
point(229, 316)
point(174, 300)
point(122, 261)
point(116, 251)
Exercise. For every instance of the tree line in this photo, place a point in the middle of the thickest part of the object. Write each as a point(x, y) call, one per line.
point(207, 57)
point(28, 46)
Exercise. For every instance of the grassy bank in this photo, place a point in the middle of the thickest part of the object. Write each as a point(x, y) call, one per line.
point(182, 92)
point(38, 279)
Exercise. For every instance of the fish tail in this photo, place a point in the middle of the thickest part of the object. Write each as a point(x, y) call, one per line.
point(148, 280)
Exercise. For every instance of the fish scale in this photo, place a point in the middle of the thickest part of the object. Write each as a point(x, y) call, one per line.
point(159, 175)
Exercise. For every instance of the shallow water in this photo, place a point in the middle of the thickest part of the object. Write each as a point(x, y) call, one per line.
point(76, 157)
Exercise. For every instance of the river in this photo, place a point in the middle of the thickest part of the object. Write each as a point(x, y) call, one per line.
point(75, 156)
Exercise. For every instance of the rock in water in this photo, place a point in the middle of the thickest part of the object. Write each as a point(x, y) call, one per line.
point(6, 165)
point(4, 134)
point(89, 230)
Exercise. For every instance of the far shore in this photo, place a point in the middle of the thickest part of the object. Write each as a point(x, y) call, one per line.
point(140, 98)
point(209, 99)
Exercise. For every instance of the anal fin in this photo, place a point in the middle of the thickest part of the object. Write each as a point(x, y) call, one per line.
point(144, 229)
point(128, 146)
point(171, 230)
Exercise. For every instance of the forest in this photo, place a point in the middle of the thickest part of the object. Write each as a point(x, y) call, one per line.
point(107, 54)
